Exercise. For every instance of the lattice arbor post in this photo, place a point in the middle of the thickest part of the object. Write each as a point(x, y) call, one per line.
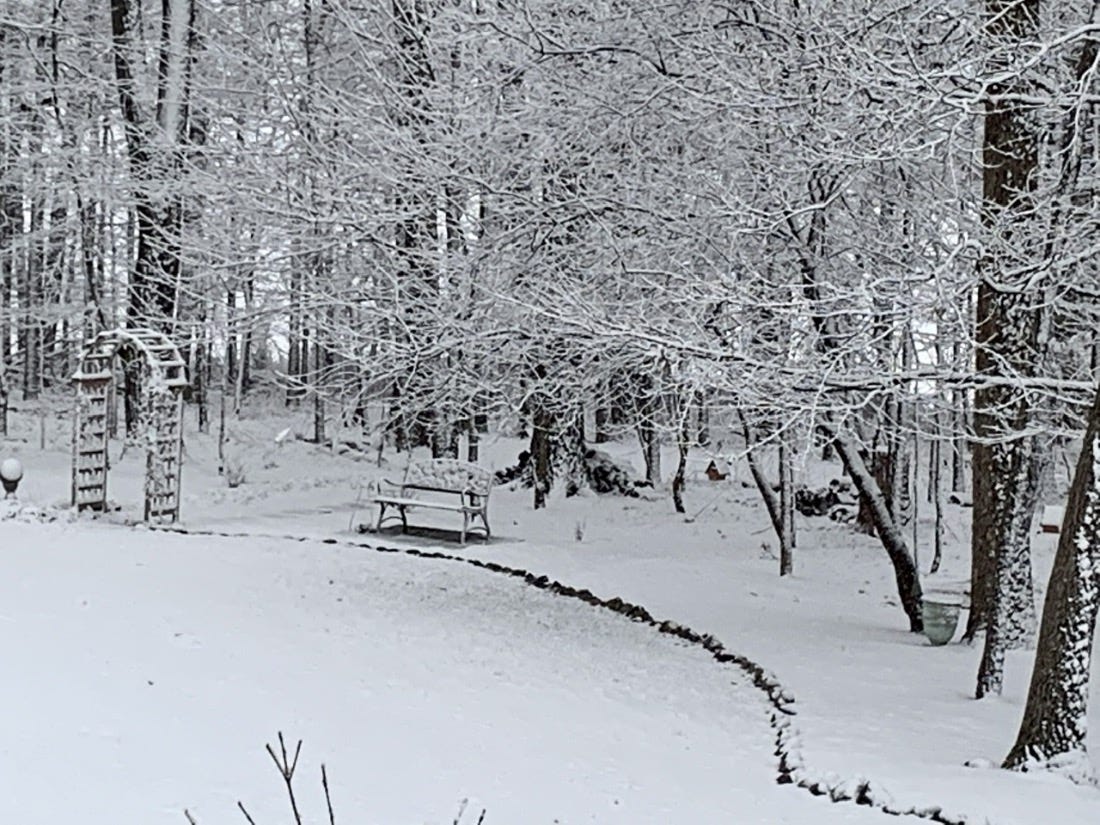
point(162, 380)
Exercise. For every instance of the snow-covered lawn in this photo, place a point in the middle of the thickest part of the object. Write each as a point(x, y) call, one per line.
point(145, 671)
point(422, 682)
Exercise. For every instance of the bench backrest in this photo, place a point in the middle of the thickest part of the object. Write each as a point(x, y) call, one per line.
point(449, 474)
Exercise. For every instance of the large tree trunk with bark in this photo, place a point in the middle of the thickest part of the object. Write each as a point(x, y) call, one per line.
point(1052, 733)
point(154, 279)
point(1004, 523)
point(11, 220)
point(416, 231)
point(1007, 349)
point(154, 149)
point(567, 449)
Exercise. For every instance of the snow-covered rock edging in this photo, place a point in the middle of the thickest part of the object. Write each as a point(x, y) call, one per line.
point(11, 509)
point(792, 768)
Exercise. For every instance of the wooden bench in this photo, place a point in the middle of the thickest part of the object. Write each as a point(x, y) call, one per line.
point(468, 482)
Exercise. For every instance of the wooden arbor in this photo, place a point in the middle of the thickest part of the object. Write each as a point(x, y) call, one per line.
point(162, 379)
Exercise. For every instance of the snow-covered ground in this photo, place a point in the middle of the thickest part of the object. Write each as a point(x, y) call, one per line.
point(145, 671)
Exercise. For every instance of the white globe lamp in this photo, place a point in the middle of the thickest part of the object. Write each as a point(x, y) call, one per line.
point(11, 473)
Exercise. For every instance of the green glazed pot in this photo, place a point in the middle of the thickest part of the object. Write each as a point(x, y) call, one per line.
point(940, 621)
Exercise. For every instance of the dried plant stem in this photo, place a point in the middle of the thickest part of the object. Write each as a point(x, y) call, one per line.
point(328, 798)
point(244, 811)
point(286, 767)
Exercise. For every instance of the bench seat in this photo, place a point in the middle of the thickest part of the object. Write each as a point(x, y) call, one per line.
point(447, 476)
point(419, 502)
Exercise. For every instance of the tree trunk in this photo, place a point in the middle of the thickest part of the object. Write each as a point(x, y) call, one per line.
point(786, 509)
point(702, 437)
point(244, 372)
point(775, 506)
point(542, 424)
point(603, 419)
point(415, 208)
point(11, 214)
point(56, 276)
point(567, 452)
point(444, 439)
point(960, 425)
point(617, 411)
point(154, 280)
point(156, 273)
point(30, 333)
point(683, 445)
point(1054, 727)
point(653, 458)
point(397, 424)
point(893, 540)
point(882, 468)
point(91, 255)
point(935, 483)
point(231, 332)
point(7, 274)
point(1006, 526)
point(198, 372)
point(1008, 319)
point(295, 367)
point(473, 440)
point(319, 435)
point(647, 406)
point(767, 492)
point(222, 435)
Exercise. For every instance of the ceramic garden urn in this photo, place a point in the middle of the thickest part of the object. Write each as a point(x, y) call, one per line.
point(940, 621)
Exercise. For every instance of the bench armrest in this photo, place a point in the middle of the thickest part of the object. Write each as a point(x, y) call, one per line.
point(382, 486)
point(475, 500)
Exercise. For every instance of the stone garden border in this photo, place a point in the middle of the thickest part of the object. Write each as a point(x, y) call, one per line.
point(791, 768)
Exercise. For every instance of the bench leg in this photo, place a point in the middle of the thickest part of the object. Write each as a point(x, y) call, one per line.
point(381, 513)
point(465, 527)
point(404, 521)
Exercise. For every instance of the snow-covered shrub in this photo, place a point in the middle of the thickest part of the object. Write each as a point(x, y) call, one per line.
point(607, 476)
point(15, 510)
point(234, 471)
point(602, 472)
